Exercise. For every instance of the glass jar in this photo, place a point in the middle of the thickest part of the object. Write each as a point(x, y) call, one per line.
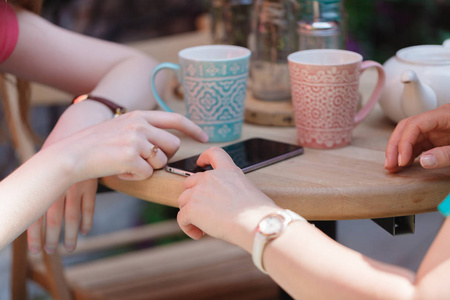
point(273, 38)
point(330, 9)
point(231, 21)
point(322, 23)
point(319, 32)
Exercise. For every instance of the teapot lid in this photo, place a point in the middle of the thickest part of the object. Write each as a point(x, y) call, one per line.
point(425, 55)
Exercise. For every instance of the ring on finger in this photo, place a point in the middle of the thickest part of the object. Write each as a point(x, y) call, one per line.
point(153, 152)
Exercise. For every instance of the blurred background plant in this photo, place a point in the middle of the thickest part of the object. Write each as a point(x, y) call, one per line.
point(375, 28)
point(378, 28)
point(125, 20)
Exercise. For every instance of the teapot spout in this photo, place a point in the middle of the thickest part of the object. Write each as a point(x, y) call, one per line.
point(417, 97)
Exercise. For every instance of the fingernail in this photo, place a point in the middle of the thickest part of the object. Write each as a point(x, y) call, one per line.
point(85, 228)
point(49, 249)
point(428, 161)
point(385, 163)
point(34, 249)
point(69, 247)
point(400, 159)
point(205, 137)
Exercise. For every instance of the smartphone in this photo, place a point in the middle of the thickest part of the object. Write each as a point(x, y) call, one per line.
point(248, 155)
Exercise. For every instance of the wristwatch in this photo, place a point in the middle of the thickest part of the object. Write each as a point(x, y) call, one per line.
point(269, 228)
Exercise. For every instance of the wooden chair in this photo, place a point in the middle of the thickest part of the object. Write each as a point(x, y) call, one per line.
point(187, 269)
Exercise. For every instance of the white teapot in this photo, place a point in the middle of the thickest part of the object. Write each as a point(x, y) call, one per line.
point(417, 80)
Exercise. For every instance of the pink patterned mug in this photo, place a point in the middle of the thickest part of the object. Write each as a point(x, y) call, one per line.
point(324, 85)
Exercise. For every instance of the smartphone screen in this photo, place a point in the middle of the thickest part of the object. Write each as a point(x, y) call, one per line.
point(248, 155)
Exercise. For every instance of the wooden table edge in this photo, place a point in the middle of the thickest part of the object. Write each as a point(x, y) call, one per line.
point(411, 199)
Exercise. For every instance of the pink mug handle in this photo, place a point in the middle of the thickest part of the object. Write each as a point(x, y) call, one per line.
point(376, 94)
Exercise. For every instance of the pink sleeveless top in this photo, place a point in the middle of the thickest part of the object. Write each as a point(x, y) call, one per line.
point(9, 30)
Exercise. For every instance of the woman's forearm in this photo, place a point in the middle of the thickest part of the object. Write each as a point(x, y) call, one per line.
point(31, 189)
point(310, 265)
point(132, 91)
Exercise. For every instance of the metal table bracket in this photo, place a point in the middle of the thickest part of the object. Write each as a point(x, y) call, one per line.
point(397, 225)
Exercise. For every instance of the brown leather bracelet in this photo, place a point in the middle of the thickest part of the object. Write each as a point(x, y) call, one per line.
point(117, 110)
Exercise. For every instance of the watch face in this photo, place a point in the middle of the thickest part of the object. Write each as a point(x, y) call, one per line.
point(271, 225)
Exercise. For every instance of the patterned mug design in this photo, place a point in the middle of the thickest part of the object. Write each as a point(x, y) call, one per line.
point(325, 99)
point(215, 93)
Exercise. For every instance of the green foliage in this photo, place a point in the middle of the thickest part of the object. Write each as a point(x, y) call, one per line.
point(153, 213)
point(378, 28)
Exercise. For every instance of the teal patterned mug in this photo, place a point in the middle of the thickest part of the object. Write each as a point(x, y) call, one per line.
point(214, 81)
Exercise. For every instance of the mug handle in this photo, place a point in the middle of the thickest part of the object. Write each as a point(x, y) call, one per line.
point(376, 94)
point(166, 65)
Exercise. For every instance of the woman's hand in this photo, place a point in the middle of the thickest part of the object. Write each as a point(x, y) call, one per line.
point(78, 201)
point(120, 146)
point(222, 202)
point(427, 134)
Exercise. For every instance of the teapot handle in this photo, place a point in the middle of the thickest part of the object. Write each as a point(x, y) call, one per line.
point(376, 94)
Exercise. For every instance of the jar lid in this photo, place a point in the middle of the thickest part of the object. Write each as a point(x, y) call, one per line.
point(318, 27)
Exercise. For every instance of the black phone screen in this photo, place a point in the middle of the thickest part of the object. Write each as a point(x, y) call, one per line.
point(248, 155)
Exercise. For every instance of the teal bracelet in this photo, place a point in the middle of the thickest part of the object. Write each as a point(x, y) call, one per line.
point(444, 206)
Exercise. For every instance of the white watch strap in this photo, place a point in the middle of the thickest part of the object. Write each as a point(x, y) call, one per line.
point(294, 216)
point(260, 241)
